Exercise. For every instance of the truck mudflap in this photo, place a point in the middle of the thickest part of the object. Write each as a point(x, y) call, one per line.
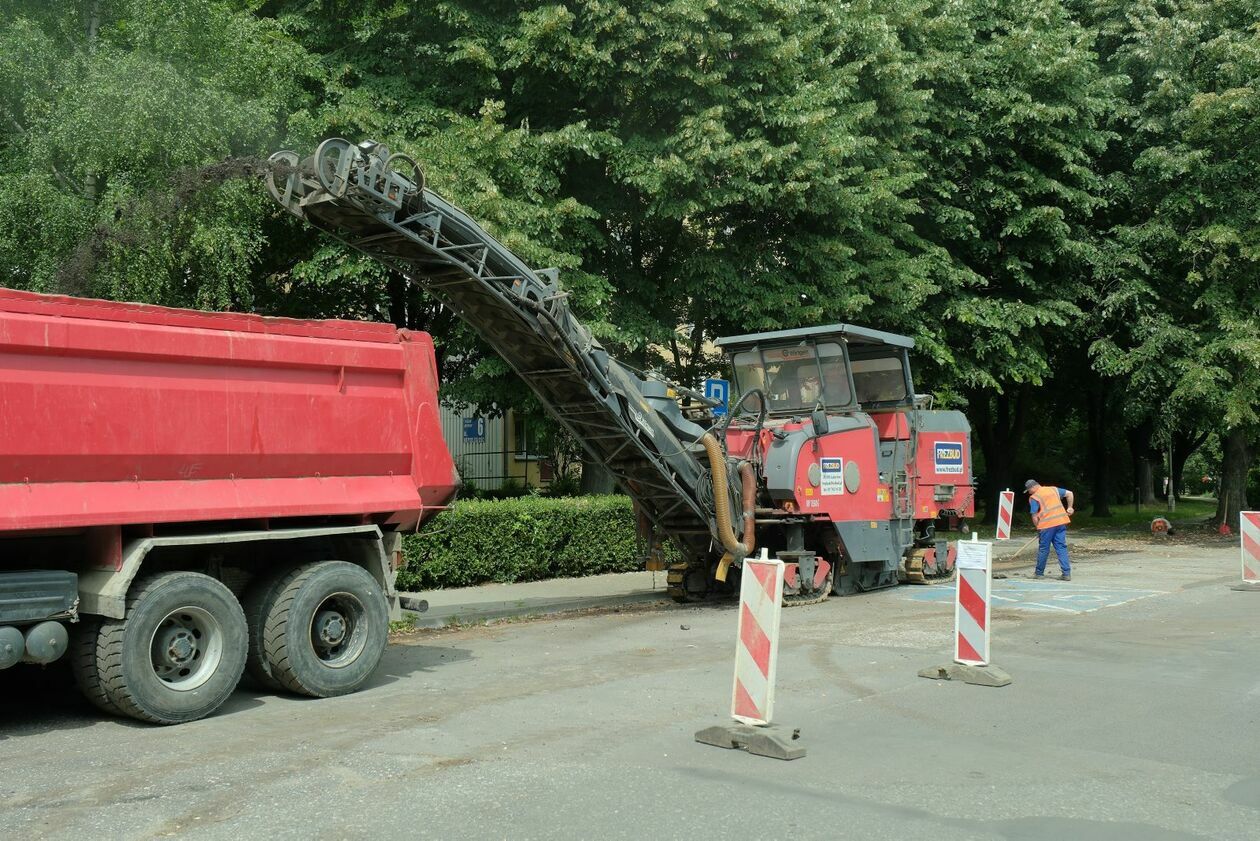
point(38, 595)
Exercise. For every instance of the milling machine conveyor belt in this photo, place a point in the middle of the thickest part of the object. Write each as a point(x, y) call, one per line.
point(359, 196)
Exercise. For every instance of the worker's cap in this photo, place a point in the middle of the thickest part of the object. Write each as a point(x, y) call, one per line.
point(1029, 485)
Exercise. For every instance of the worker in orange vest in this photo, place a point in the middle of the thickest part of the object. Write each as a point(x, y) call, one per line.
point(1051, 508)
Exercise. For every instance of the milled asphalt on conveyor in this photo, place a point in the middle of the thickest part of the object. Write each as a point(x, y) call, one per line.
point(1133, 720)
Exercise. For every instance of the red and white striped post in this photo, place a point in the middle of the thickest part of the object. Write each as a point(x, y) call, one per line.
point(1006, 509)
point(756, 660)
point(1249, 538)
point(757, 646)
point(972, 619)
point(972, 603)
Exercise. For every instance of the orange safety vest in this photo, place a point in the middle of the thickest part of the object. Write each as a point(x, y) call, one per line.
point(1052, 512)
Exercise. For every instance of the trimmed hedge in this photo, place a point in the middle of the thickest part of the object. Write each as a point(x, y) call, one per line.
point(523, 539)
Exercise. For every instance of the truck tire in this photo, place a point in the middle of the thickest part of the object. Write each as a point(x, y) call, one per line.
point(85, 666)
point(259, 596)
point(327, 629)
point(180, 651)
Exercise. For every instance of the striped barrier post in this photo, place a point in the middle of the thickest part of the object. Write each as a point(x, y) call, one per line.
point(757, 648)
point(972, 603)
point(1249, 540)
point(756, 661)
point(972, 615)
point(1006, 509)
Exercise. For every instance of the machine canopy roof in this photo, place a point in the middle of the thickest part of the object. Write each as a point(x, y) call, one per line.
point(851, 333)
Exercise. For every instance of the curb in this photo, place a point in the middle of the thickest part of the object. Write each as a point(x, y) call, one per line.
point(480, 613)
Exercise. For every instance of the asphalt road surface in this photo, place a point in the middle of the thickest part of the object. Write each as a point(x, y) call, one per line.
point(1134, 714)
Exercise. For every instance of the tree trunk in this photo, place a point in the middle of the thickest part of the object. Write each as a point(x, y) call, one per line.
point(1185, 444)
point(596, 479)
point(396, 286)
point(999, 429)
point(1140, 451)
point(1145, 480)
point(93, 25)
point(91, 184)
point(1237, 454)
point(1097, 412)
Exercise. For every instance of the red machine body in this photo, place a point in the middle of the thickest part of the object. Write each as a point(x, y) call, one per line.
point(858, 476)
point(133, 415)
point(935, 485)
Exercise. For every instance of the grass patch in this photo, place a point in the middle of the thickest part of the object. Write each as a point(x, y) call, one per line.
point(405, 625)
point(1189, 512)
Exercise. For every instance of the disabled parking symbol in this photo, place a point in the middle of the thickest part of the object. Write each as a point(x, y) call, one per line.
point(1044, 596)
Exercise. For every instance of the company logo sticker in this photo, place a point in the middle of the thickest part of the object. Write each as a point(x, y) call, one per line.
point(948, 457)
point(832, 476)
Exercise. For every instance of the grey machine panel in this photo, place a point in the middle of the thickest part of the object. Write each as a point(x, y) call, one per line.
point(783, 455)
point(939, 420)
point(864, 543)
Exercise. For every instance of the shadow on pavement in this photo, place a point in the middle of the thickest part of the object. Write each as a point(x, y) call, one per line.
point(35, 700)
point(405, 657)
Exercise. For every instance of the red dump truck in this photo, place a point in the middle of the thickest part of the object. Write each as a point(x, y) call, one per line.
point(186, 495)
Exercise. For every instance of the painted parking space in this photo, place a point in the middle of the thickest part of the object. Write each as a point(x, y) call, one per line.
point(1046, 596)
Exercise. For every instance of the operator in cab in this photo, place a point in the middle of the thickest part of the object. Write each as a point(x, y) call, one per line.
point(809, 386)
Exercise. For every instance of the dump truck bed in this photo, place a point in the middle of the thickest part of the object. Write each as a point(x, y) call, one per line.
point(128, 414)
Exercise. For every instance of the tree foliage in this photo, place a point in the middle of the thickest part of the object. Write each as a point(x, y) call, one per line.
point(1053, 197)
point(1189, 233)
point(103, 103)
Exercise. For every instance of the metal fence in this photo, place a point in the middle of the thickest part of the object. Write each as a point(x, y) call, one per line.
point(480, 449)
point(491, 470)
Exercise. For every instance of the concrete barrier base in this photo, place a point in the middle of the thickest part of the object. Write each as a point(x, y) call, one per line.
point(762, 741)
point(979, 675)
point(1247, 586)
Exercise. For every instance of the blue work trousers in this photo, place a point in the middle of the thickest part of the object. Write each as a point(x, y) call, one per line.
point(1056, 536)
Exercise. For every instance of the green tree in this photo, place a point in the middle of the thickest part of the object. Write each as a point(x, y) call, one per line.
point(420, 78)
point(1053, 197)
point(1017, 123)
point(727, 167)
point(104, 104)
point(758, 172)
point(1192, 231)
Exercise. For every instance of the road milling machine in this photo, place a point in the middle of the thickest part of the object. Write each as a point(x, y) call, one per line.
point(825, 457)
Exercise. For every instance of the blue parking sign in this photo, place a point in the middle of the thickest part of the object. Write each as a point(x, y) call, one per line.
point(719, 390)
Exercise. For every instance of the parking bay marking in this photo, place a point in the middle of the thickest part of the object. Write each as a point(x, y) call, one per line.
point(1044, 596)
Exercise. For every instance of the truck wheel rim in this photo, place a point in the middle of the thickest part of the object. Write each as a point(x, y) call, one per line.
point(186, 648)
point(338, 630)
